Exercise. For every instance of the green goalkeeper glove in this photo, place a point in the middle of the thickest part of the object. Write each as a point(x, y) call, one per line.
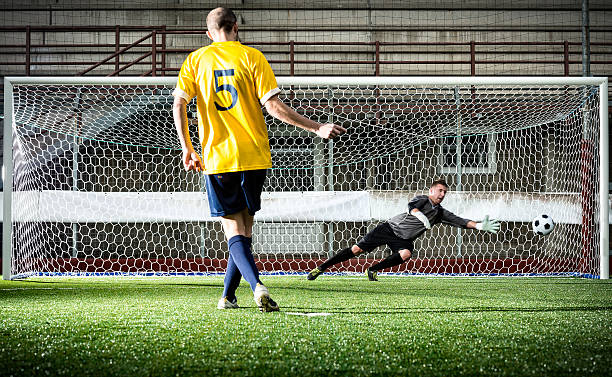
point(488, 225)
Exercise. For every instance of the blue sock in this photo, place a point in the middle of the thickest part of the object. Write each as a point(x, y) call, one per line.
point(233, 276)
point(231, 280)
point(240, 252)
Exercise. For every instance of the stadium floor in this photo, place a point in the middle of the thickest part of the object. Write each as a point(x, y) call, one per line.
point(335, 325)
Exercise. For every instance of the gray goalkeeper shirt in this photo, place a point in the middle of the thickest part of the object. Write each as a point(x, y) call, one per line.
point(407, 226)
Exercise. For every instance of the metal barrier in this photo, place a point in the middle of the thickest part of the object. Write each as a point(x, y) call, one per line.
point(150, 53)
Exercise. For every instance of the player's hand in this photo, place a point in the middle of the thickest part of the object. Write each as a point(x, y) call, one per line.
point(419, 215)
point(330, 131)
point(191, 161)
point(488, 225)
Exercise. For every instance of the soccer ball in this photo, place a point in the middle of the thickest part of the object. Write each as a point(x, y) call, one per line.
point(543, 225)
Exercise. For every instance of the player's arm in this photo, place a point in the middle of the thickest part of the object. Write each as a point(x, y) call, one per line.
point(282, 112)
point(414, 209)
point(488, 225)
point(421, 216)
point(191, 160)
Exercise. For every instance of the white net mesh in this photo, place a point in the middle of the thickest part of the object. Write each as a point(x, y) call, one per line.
point(99, 185)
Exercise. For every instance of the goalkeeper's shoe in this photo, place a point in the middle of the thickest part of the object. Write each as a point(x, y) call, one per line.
point(372, 275)
point(263, 300)
point(314, 274)
point(224, 303)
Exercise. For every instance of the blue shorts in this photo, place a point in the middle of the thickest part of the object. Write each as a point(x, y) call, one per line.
point(230, 193)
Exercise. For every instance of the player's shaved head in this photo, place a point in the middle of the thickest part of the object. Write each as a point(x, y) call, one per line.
point(221, 19)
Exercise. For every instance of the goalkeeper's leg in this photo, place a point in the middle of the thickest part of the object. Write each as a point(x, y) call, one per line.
point(369, 242)
point(391, 261)
point(401, 251)
point(341, 256)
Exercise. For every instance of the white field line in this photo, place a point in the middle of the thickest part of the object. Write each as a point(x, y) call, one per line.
point(309, 314)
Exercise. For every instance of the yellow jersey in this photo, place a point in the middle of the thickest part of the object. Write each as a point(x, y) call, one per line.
point(231, 82)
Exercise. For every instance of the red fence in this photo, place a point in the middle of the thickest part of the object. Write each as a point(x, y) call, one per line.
point(150, 54)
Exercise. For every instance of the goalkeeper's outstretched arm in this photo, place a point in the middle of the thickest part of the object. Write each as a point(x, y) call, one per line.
point(488, 225)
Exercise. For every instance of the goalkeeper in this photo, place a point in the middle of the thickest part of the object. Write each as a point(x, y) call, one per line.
point(400, 231)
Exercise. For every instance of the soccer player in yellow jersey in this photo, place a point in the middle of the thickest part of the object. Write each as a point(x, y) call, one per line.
point(231, 83)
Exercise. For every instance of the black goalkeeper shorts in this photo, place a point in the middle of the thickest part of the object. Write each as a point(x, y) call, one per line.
point(383, 235)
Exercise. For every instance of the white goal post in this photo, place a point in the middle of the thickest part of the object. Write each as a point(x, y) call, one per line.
point(93, 183)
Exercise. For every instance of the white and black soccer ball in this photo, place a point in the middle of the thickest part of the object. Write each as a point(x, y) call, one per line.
point(543, 225)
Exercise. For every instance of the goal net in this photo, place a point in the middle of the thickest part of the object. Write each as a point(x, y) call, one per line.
point(94, 182)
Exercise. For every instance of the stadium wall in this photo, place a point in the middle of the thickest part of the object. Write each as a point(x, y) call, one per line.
point(340, 22)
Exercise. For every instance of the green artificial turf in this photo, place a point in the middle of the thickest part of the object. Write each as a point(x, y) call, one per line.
point(396, 326)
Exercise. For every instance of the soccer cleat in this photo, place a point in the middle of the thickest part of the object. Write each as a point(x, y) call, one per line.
point(314, 274)
point(224, 303)
point(263, 300)
point(371, 275)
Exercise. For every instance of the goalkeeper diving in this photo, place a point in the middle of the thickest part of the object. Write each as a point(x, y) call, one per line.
point(400, 231)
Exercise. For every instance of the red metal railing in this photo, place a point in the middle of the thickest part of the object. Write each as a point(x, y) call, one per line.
point(151, 51)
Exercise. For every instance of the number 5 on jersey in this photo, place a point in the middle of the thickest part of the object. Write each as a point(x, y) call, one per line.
point(225, 87)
